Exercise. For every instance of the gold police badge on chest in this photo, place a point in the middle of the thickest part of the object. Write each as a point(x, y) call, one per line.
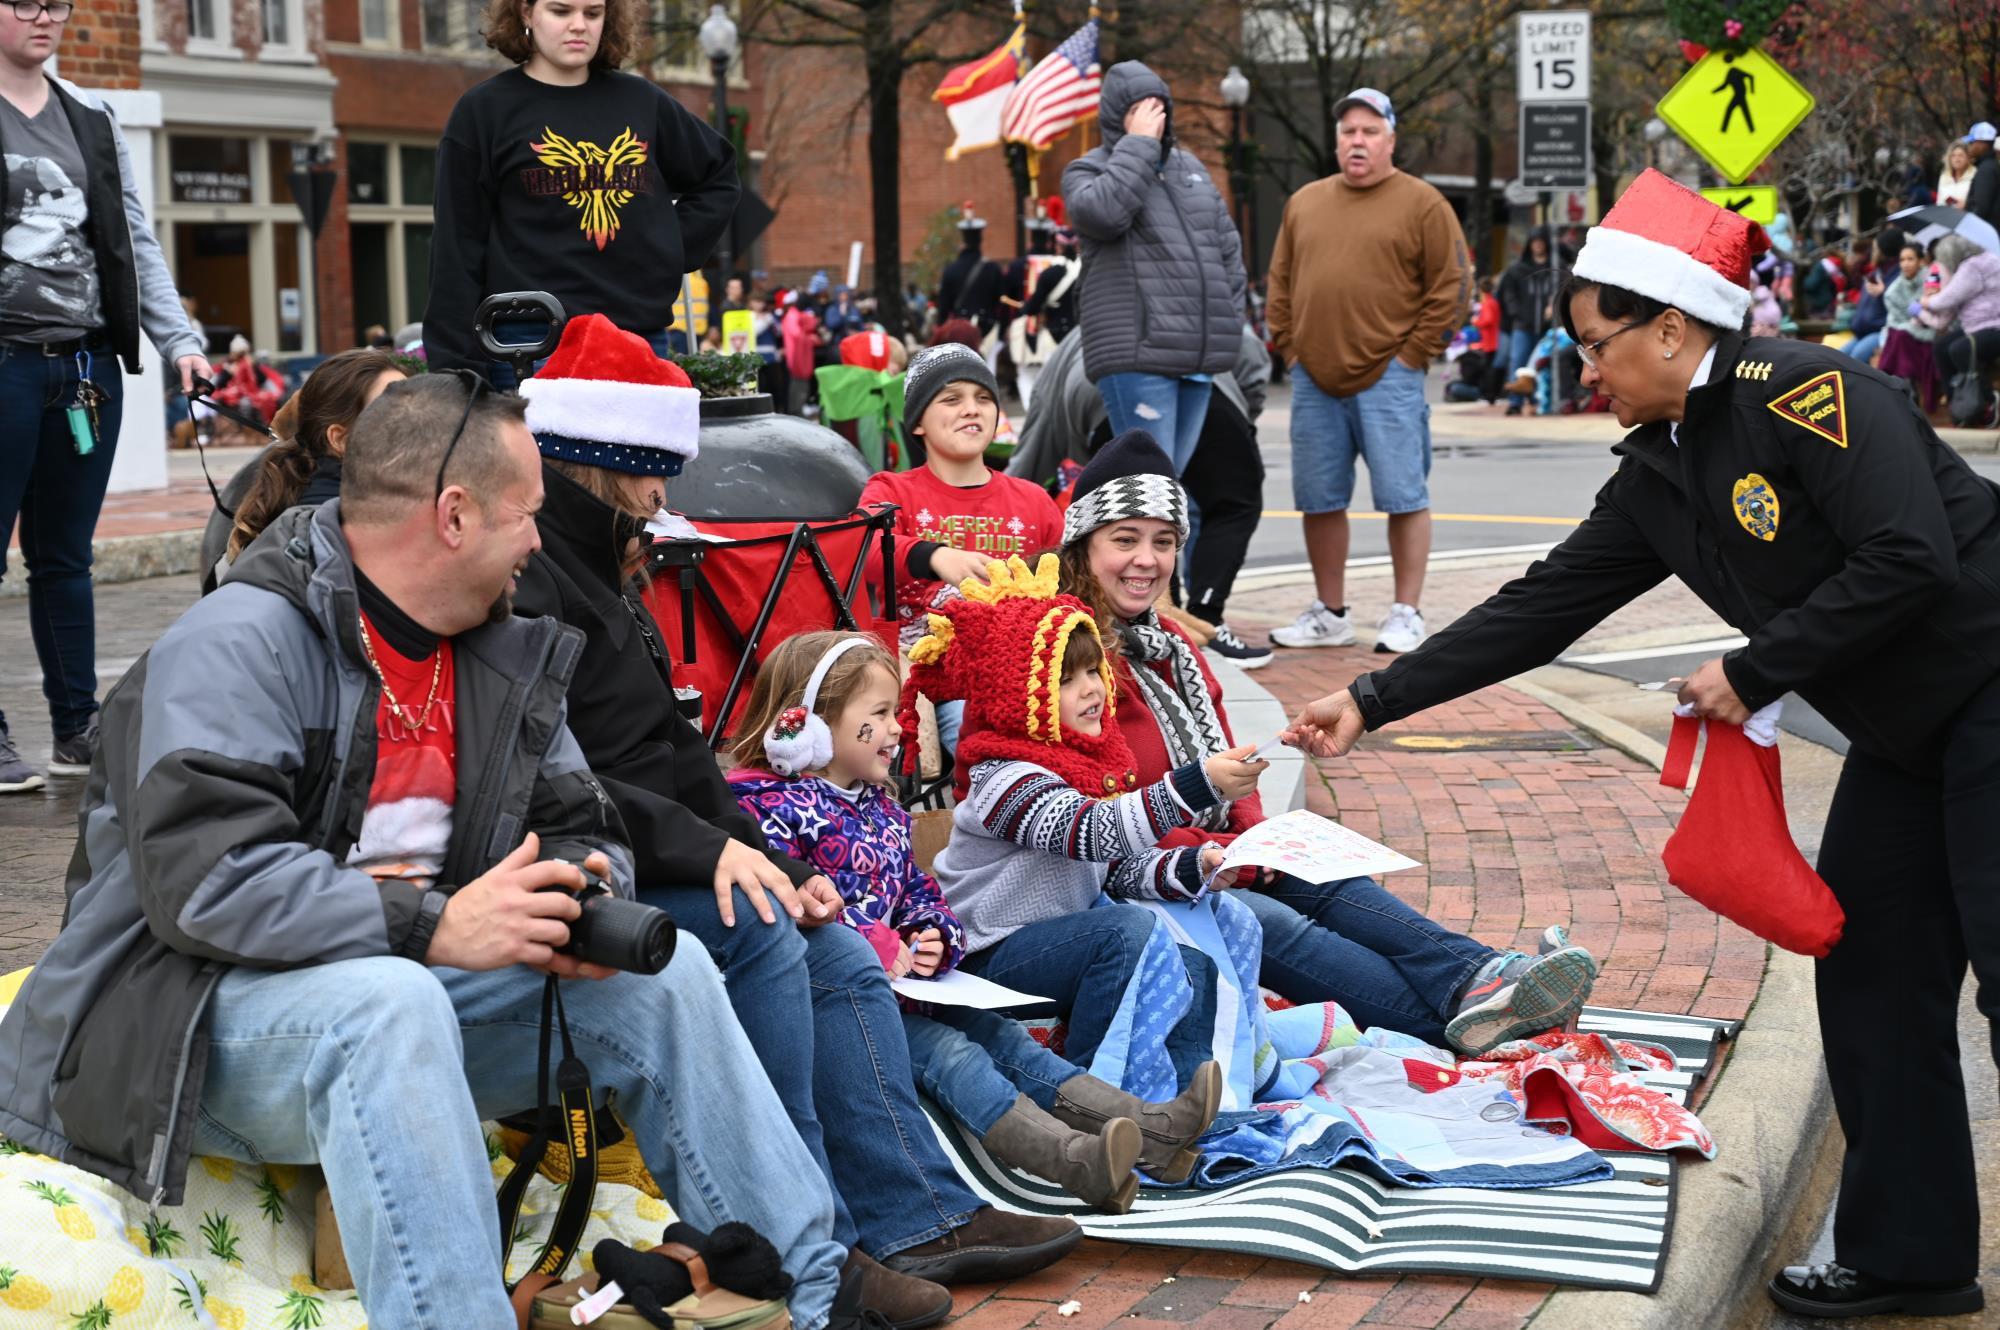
point(1756, 505)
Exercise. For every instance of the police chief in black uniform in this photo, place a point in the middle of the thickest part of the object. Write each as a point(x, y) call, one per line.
point(1807, 501)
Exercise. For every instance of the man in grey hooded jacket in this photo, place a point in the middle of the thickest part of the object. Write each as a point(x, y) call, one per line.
point(1163, 284)
point(249, 968)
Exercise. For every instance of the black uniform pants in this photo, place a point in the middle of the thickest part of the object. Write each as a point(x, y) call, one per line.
point(1916, 865)
point(1225, 484)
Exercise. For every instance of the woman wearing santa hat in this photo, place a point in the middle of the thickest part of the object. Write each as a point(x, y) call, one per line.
point(1805, 500)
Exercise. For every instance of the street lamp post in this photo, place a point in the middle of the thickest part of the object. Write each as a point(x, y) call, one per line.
point(1236, 95)
point(719, 43)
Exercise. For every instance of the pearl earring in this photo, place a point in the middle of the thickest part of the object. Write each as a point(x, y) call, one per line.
point(1670, 355)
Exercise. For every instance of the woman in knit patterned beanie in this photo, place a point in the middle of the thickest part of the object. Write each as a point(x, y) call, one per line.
point(1351, 941)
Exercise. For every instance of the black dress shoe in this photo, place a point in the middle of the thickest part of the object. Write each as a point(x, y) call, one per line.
point(1833, 1290)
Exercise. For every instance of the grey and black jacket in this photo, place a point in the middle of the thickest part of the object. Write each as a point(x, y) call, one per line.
point(135, 289)
point(234, 765)
point(1163, 284)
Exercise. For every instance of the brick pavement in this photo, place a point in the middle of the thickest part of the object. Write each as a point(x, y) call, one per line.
point(1510, 839)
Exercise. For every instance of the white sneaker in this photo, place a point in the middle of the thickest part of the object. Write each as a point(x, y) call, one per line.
point(1402, 629)
point(1317, 627)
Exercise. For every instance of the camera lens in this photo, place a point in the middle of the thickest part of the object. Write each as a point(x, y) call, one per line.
point(622, 935)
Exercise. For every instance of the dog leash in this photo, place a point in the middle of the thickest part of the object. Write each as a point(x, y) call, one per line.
point(203, 391)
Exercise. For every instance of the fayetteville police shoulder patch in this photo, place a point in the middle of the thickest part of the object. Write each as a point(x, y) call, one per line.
point(1819, 405)
point(1756, 505)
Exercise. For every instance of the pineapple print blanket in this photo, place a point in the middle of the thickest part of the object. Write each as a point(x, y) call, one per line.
point(81, 1254)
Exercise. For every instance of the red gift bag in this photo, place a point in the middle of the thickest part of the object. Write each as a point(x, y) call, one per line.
point(1733, 851)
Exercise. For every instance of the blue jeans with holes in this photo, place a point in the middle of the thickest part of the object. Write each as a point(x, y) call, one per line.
point(380, 1071)
point(1082, 962)
point(1354, 943)
point(975, 1063)
point(1168, 408)
point(57, 495)
point(764, 968)
point(887, 1163)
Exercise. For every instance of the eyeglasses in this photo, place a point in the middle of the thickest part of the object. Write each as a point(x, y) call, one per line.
point(29, 10)
point(1588, 353)
point(475, 384)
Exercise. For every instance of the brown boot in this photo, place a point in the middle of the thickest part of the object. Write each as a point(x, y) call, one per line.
point(906, 1302)
point(1093, 1165)
point(991, 1247)
point(1169, 1130)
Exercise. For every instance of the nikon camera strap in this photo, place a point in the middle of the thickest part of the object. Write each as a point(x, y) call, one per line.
point(574, 1119)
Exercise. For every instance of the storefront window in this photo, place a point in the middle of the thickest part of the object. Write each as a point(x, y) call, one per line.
point(416, 269)
point(209, 170)
point(419, 175)
point(368, 255)
point(368, 173)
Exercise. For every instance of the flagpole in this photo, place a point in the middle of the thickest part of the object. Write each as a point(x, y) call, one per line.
point(1020, 164)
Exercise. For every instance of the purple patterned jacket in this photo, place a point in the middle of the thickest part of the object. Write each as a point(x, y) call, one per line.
point(863, 845)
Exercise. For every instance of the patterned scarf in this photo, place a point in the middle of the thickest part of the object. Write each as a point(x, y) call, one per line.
point(1178, 698)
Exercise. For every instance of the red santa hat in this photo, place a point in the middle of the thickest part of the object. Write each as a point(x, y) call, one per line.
point(1661, 239)
point(869, 350)
point(606, 399)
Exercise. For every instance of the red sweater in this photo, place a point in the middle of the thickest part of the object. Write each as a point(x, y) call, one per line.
point(1005, 515)
point(1487, 320)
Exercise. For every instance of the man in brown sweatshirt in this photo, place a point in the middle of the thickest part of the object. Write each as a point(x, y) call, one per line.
point(1368, 282)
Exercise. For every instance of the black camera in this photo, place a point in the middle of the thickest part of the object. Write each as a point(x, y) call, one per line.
point(616, 933)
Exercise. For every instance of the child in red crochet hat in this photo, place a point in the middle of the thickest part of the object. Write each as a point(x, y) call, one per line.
point(1054, 819)
point(816, 748)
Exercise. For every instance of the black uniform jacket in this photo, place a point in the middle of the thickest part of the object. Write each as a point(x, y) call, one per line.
point(1811, 506)
point(653, 763)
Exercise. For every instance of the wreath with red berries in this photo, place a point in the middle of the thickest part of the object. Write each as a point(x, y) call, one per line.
point(1729, 26)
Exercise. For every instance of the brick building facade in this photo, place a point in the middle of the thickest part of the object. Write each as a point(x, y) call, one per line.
point(252, 90)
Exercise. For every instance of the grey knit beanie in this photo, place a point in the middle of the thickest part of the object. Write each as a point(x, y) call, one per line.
point(934, 367)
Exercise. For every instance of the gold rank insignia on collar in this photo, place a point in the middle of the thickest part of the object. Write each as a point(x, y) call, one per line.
point(1819, 404)
point(1753, 369)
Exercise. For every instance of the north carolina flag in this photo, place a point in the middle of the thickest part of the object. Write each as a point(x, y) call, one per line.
point(974, 95)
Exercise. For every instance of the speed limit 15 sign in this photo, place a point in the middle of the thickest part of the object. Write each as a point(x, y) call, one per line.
point(1555, 56)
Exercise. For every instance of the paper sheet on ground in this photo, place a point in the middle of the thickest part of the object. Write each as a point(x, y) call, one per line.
point(956, 989)
point(1313, 849)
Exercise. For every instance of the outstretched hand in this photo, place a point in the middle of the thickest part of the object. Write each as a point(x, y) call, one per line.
point(1327, 727)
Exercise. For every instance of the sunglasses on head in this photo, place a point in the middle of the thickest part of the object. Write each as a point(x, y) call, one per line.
point(475, 384)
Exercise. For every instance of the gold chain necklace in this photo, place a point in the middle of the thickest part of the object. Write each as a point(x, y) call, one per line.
point(396, 708)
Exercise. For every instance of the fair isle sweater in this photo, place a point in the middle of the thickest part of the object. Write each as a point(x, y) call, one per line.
point(1026, 847)
point(861, 841)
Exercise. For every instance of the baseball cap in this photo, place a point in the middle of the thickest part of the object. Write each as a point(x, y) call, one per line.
point(1378, 102)
point(1983, 132)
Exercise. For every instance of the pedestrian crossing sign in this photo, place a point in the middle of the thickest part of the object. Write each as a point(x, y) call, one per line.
point(1734, 109)
point(1759, 203)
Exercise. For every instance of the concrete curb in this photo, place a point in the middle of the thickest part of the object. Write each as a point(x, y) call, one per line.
point(1741, 1214)
point(128, 558)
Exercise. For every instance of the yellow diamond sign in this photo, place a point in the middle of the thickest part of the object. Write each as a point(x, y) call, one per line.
point(1734, 110)
point(1757, 202)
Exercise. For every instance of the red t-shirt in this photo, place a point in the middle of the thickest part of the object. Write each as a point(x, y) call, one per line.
point(406, 827)
point(1006, 515)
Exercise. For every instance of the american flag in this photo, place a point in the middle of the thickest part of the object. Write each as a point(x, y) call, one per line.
point(1057, 93)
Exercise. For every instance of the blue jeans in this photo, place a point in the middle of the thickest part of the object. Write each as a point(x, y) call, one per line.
point(1387, 425)
point(57, 495)
point(1864, 347)
point(974, 1064)
point(764, 969)
point(898, 1185)
point(380, 1071)
point(666, 343)
point(1519, 344)
point(950, 719)
point(1082, 962)
point(1168, 408)
point(1353, 943)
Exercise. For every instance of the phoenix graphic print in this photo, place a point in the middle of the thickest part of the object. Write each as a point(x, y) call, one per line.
point(598, 182)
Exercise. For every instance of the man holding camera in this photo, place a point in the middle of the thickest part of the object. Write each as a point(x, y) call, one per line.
point(331, 844)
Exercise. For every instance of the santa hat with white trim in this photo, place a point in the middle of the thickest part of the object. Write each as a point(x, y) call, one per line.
point(1663, 240)
point(606, 399)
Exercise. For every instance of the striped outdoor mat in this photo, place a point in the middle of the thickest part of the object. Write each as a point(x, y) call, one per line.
point(1597, 1235)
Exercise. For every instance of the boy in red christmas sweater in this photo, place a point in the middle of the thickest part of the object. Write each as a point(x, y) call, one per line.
point(956, 514)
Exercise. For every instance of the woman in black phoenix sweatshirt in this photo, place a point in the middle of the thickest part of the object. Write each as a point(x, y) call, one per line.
point(568, 176)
